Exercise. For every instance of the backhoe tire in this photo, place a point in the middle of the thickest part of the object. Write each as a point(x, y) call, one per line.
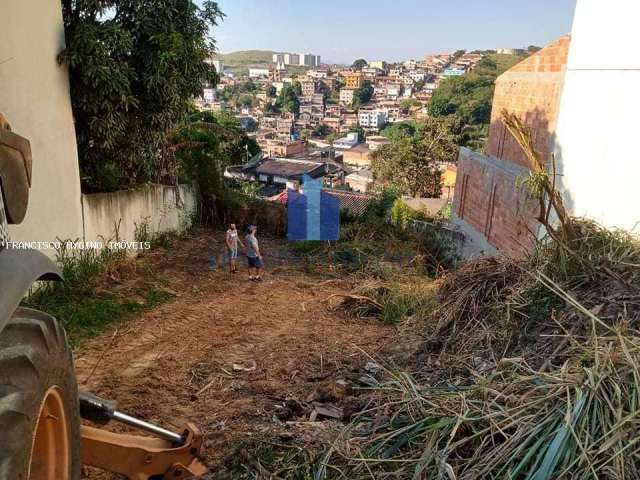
point(39, 414)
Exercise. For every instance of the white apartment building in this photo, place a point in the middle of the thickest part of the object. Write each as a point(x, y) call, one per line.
point(346, 96)
point(380, 64)
point(208, 95)
point(394, 91)
point(258, 72)
point(372, 119)
point(417, 75)
point(291, 59)
point(318, 74)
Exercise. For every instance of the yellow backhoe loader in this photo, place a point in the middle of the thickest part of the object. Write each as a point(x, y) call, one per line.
point(41, 432)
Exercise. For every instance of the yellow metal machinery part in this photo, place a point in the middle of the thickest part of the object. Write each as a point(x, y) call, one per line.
point(139, 458)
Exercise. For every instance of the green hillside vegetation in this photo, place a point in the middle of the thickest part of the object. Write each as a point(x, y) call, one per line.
point(248, 57)
point(469, 97)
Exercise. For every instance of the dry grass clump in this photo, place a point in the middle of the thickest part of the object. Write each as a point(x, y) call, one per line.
point(495, 307)
point(577, 421)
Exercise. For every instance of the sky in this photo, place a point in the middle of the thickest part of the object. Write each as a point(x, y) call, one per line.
point(391, 30)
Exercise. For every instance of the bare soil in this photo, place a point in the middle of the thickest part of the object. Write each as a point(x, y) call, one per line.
point(227, 353)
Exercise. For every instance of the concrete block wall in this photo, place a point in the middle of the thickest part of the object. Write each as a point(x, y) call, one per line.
point(497, 214)
point(494, 212)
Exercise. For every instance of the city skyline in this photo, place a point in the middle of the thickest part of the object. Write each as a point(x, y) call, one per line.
point(343, 32)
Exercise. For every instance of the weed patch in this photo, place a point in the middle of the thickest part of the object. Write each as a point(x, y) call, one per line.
point(85, 302)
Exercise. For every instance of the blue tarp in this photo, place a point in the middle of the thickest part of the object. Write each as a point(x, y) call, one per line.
point(314, 214)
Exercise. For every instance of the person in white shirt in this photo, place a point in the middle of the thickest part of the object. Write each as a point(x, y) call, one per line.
point(233, 239)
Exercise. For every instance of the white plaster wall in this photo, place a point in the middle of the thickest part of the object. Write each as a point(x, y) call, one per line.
point(154, 205)
point(34, 95)
point(597, 134)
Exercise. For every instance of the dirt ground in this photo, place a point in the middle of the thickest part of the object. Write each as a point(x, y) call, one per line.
point(227, 353)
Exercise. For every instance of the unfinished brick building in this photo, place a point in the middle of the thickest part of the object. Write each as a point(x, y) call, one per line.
point(489, 206)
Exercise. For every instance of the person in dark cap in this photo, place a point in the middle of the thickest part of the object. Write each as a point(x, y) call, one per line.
point(254, 257)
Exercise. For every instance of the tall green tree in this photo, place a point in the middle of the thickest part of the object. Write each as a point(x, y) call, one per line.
point(412, 161)
point(135, 68)
point(359, 64)
point(288, 101)
point(362, 95)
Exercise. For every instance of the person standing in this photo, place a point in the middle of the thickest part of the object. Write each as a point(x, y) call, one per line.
point(233, 239)
point(254, 257)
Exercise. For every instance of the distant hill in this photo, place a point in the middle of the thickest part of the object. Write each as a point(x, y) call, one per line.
point(241, 61)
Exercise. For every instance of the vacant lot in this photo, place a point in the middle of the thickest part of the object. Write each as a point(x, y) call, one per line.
point(227, 353)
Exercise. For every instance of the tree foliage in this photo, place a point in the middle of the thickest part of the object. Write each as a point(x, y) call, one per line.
point(240, 95)
point(203, 147)
point(135, 68)
point(288, 101)
point(412, 161)
point(362, 95)
point(359, 64)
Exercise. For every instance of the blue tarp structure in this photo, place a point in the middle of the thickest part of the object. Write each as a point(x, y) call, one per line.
point(314, 214)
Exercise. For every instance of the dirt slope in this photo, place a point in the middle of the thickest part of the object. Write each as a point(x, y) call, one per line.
point(176, 363)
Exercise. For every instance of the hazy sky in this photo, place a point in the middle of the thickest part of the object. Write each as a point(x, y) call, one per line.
point(343, 30)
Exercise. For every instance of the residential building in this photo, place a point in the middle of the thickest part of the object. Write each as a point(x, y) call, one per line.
point(360, 180)
point(278, 58)
point(284, 126)
point(349, 120)
point(346, 96)
point(282, 148)
point(454, 72)
point(417, 75)
point(332, 123)
point(309, 60)
point(511, 51)
point(379, 64)
point(351, 140)
point(370, 72)
point(308, 88)
point(318, 99)
point(318, 74)
point(375, 142)
point(358, 156)
point(291, 59)
point(372, 119)
point(286, 172)
point(333, 110)
point(258, 72)
point(354, 80)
